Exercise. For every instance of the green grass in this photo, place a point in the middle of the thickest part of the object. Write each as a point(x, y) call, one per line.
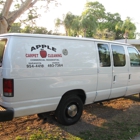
point(114, 130)
point(43, 135)
point(124, 125)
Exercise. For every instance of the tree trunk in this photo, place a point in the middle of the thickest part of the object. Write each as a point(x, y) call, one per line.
point(8, 18)
point(3, 25)
point(84, 32)
point(6, 8)
point(66, 32)
point(26, 5)
point(3, 18)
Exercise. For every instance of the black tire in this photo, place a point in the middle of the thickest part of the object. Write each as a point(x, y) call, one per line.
point(69, 110)
point(40, 116)
point(43, 115)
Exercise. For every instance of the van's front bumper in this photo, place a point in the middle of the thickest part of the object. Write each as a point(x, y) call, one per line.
point(6, 114)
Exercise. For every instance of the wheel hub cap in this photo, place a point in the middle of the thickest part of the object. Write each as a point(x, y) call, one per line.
point(72, 110)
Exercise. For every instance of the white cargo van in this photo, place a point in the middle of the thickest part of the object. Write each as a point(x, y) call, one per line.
point(43, 73)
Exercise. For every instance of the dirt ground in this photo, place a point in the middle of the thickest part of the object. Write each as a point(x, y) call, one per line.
point(94, 116)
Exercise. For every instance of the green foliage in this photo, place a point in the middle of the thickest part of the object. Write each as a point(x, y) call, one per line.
point(27, 29)
point(38, 136)
point(129, 27)
point(29, 16)
point(26, 11)
point(70, 23)
point(119, 121)
point(15, 28)
point(40, 30)
point(92, 20)
point(86, 135)
point(32, 14)
point(1, 2)
point(119, 128)
point(104, 34)
point(109, 22)
point(95, 9)
point(125, 27)
point(35, 30)
point(17, 6)
point(19, 138)
point(87, 22)
point(75, 26)
point(58, 22)
point(43, 135)
point(95, 22)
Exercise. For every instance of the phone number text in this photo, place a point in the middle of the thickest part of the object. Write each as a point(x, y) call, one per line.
point(35, 66)
point(55, 65)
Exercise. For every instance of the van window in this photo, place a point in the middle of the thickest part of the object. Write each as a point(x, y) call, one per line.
point(2, 47)
point(134, 57)
point(104, 55)
point(118, 55)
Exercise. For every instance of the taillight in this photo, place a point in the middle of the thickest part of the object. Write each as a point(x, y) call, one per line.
point(8, 87)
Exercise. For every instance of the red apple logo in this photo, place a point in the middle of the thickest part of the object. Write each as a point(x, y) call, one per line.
point(43, 53)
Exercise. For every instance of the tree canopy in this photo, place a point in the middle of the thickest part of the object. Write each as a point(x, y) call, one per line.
point(95, 22)
point(7, 16)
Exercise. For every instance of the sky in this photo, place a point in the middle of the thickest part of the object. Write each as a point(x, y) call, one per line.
point(126, 8)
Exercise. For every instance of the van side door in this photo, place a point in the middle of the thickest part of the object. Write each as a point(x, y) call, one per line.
point(120, 71)
point(104, 71)
point(134, 71)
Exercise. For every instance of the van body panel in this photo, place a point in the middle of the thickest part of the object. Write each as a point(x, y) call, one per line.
point(70, 66)
point(120, 75)
point(104, 77)
point(134, 77)
point(34, 85)
point(45, 68)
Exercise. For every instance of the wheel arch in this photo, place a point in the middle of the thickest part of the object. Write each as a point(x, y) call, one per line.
point(78, 92)
point(63, 111)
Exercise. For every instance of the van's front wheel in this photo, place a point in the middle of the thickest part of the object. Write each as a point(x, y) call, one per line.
point(69, 110)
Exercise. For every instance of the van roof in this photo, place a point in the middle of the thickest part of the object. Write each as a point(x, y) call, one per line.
point(57, 37)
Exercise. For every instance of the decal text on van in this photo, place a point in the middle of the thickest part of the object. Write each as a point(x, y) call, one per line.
point(43, 46)
point(31, 55)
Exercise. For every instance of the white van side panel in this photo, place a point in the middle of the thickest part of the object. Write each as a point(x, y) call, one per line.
point(104, 76)
point(39, 89)
point(134, 77)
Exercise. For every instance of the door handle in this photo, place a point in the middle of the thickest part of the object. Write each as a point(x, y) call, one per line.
point(114, 79)
point(129, 76)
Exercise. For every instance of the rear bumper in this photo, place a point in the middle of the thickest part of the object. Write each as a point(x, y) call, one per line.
point(6, 114)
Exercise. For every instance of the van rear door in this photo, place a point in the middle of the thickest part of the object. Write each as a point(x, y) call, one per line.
point(3, 42)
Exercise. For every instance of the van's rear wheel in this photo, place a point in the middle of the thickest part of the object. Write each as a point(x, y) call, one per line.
point(69, 110)
point(40, 116)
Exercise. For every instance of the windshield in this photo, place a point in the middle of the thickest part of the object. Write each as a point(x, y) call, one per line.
point(2, 47)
